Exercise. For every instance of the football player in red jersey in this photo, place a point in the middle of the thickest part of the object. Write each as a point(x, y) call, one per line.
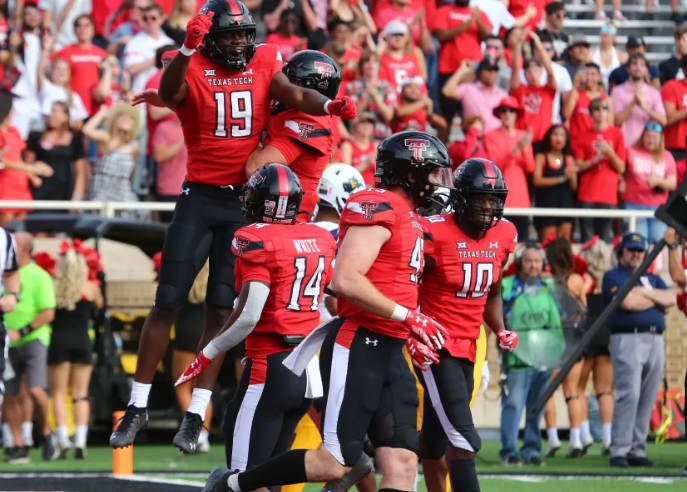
point(296, 139)
point(460, 288)
point(367, 382)
point(221, 95)
point(281, 272)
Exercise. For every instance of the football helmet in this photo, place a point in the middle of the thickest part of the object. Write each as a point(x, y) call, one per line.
point(417, 162)
point(313, 70)
point(479, 193)
point(338, 183)
point(272, 195)
point(231, 16)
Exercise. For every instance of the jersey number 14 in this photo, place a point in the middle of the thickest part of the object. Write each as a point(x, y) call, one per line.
point(313, 287)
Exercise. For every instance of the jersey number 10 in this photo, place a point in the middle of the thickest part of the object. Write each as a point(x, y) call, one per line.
point(241, 111)
point(483, 280)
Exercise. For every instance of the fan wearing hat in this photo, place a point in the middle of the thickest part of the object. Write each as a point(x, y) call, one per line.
point(634, 45)
point(415, 108)
point(411, 13)
point(399, 59)
point(637, 350)
point(577, 54)
point(535, 99)
point(512, 149)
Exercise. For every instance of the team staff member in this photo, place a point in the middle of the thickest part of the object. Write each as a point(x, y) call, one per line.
point(366, 378)
point(10, 285)
point(637, 351)
point(460, 288)
point(221, 95)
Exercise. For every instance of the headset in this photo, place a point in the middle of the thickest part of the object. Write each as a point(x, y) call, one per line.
point(530, 245)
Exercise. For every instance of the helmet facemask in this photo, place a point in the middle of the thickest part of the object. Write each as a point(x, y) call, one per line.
point(484, 209)
point(218, 47)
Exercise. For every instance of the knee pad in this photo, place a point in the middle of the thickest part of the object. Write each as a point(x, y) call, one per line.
point(168, 297)
point(569, 398)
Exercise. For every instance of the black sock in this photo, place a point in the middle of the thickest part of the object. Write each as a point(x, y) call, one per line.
point(284, 469)
point(464, 476)
point(389, 490)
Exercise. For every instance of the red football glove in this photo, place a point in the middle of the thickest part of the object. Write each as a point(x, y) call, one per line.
point(197, 28)
point(682, 302)
point(421, 355)
point(508, 340)
point(195, 369)
point(426, 330)
point(344, 107)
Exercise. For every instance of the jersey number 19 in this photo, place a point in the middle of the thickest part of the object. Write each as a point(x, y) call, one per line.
point(241, 111)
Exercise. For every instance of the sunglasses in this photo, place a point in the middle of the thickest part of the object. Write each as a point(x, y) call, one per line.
point(150, 19)
point(604, 108)
point(635, 250)
point(548, 48)
point(508, 110)
point(609, 29)
point(655, 127)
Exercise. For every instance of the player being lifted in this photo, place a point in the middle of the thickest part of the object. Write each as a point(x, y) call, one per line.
point(221, 94)
point(462, 287)
point(367, 380)
point(281, 272)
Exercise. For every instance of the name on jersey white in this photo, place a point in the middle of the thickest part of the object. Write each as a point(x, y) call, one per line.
point(234, 81)
point(477, 254)
point(306, 246)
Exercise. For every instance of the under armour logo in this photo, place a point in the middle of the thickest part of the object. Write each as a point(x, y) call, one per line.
point(463, 245)
point(192, 445)
point(495, 244)
point(420, 319)
point(210, 72)
point(368, 342)
point(184, 191)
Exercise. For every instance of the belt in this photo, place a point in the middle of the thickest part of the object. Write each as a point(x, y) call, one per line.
point(214, 190)
point(636, 329)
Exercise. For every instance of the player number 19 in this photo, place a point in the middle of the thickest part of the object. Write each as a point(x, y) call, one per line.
point(241, 110)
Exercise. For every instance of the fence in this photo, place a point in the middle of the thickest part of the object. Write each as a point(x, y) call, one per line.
point(108, 209)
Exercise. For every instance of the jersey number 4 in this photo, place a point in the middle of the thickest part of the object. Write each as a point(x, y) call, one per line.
point(313, 287)
point(482, 282)
point(241, 111)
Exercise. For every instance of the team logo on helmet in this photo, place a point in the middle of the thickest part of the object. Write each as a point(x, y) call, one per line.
point(241, 243)
point(326, 71)
point(369, 208)
point(304, 129)
point(351, 184)
point(418, 146)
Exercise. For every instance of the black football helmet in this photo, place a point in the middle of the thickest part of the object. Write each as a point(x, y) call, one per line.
point(230, 16)
point(314, 70)
point(479, 193)
point(272, 195)
point(417, 162)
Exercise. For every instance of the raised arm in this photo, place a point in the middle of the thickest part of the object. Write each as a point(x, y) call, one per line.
point(307, 100)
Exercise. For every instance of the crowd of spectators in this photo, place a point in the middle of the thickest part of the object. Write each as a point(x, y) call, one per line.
point(571, 125)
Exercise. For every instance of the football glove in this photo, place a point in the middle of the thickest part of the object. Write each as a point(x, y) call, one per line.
point(421, 355)
point(196, 368)
point(508, 340)
point(426, 330)
point(196, 29)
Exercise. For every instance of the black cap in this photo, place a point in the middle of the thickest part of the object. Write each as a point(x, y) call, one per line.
point(528, 63)
point(554, 7)
point(635, 42)
point(487, 64)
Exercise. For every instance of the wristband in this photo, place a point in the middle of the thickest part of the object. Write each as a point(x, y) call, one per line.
point(672, 246)
point(186, 51)
point(326, 106)
point(26, 330)
point(400, 313)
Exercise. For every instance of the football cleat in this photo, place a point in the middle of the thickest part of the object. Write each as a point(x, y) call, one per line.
point(362, 467)
point(189, 432)
point(134, 420)
point(217, 481)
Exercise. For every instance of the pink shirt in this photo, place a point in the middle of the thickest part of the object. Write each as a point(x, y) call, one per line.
point(171, 172)
point(479, 100)
point(641, 165)
point(624, 94)
point(515, 168)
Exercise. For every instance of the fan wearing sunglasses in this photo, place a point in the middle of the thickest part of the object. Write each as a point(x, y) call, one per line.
point(285, 37)
point(606, 55)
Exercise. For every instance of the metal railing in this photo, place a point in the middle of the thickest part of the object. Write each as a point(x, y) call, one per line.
point(109, 209)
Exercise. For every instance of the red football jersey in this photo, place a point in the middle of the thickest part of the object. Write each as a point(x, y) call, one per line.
point(397, 270)
point(307, 143)
point(225, 114)
point(296, 262)
point(415, 121)
point(454, 291)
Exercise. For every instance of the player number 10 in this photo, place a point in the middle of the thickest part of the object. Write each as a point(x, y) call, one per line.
point(241, 110)
point(481, 284)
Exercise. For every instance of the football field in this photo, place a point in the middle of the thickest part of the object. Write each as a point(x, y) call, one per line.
point(164, 469)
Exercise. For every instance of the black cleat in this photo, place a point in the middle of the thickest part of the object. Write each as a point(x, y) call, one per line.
point(80, 453)
point(17, 455)
point(618, 462)
point(641, 461)
point(189, 432)
point(362, 467)
point(217, 481)
point(49, 451)
point(134, 420)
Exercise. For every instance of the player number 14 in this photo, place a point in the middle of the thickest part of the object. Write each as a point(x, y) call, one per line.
point(313, 288)
point(241, 111)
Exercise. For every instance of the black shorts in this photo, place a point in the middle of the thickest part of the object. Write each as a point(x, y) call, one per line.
point(447, 417)
point(70, 346)
point(263, 415)
point(188, 328)
point(204, 222)
point(368, 389)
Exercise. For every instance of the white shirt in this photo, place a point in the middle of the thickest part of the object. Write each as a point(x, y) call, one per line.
point(563, 81)
point(51, 93)
point(497, 13)
point(65, 36)
point(27, 85)
point(142, 47)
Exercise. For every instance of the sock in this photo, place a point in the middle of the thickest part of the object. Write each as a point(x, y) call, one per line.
point(7, 436)
point(139, 395)
point(606, 434)
point(574, 434)
point(200, 401)
point(552, 433)
point(463, 476)
point(81, 435)
point(62, 434)
point(204, 436)
point(27, 432)
point(284, 469)
point(584, 428)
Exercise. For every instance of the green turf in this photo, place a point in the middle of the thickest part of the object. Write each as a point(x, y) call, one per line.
point(671, 457)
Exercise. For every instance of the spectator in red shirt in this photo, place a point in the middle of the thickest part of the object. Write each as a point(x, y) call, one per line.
point(341, 32)
point(415, 109)
point(399, 59)
point(413, 16)
point(600, 158)
point(535, 99)
point(84, 60)
point(360, 151)
point(472, 144)
point(587, 86)
point(285, 37)
point(518, 8)
point(511, 150)
point(460, 30)
point(674, 95)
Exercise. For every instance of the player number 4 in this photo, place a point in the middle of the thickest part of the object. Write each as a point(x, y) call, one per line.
point(313, 288)
point(416, 259)
point(241, 111)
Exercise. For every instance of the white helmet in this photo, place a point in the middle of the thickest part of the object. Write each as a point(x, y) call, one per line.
point(338, 183)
